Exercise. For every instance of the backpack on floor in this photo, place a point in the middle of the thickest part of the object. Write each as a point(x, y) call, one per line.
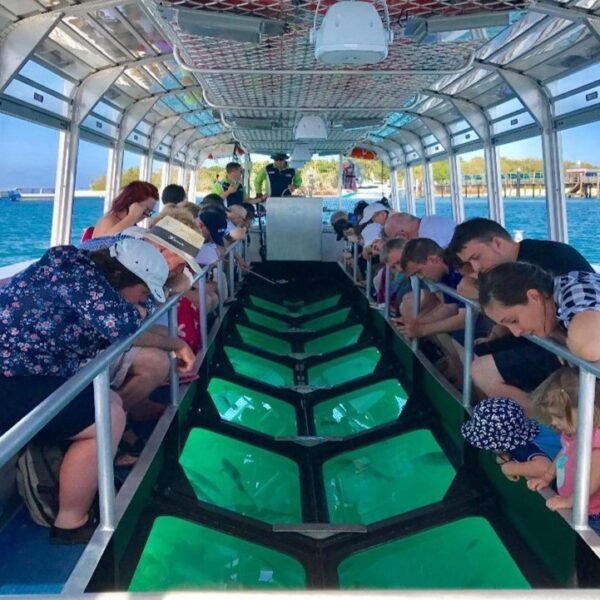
point(38, 468)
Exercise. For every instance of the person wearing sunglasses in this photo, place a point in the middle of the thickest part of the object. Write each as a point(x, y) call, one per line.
point(136, 202)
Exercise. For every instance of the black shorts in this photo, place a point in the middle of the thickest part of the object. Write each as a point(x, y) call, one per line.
point(20, 395)
point(520, 362)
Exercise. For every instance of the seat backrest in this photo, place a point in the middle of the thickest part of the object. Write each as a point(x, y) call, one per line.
point(87, 234)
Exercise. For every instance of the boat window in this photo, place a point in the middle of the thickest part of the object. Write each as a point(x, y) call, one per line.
point(114, 23)
point(36, 97)
point(137, 137)
point(514, 121)
point(36, 72)
point(143, 24)
point(466, 137)
point(99, 125)
point(522, 192)
point(458, 126)
point(92, 33)
point(474, 190)
point(505, 108)
point(574, 80)
point(525, 24)
point(584, 99)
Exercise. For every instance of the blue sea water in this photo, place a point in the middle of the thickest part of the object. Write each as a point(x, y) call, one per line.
point(25, 226)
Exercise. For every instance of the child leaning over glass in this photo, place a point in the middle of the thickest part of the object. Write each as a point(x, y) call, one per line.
point(523, 446)
point(555, 402)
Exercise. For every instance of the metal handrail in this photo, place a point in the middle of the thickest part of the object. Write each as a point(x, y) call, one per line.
point(97, 370)
point(588, 372)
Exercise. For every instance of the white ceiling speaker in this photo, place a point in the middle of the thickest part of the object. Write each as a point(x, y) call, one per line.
point(311, 127)
point(351, 33)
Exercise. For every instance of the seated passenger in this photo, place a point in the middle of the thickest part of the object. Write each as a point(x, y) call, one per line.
point(555, 401)
point(434, 227)
point(529, 301)
point(506, 366)
point(425, 258)
point(56, 315)
point(136, 202)
point(524, 448)
point(173, 194)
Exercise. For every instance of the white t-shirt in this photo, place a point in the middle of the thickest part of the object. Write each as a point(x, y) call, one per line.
point(437, 228)
point(372, 232)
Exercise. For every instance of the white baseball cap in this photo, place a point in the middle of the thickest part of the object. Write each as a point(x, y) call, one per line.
point(370, 211)
point(145, 261)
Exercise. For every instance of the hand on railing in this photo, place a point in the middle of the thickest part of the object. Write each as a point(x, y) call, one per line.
point(559, 502)
point(185, 357)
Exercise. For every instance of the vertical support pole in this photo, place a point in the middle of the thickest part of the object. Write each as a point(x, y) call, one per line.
point(62, 209)
point(456, 195)
point(113, 175)
point(202, 308)
point(354, 262)
point(493, 182)
point(191, 193)
point(415, 284)
point(369, 277)
point(429, 191)
point(220, 286)
point(583, 463)
point(394, 189)
point(470, 317)
point(173, 373)
point(106, 476)
point(165, 179)
point(411, 207)
point(386, 291)
point(340, 181)
point(556, 204)
point(180, 175)
point(231, 267)
point(145, 168)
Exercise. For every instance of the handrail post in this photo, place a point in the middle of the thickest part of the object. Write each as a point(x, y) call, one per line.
point(369, 277)
point(583, 461)
point(106, 476)
point(354, 262)
point(202, 307)
point(470, 316)
point(173, 373)
point(386, 292)
point(231, 266)
point(220, 286)
point(415, 284)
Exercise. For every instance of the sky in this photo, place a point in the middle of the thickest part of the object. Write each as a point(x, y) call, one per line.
point(29, 153)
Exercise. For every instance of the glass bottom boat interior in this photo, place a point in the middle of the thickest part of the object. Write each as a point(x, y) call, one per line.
point(310, 458)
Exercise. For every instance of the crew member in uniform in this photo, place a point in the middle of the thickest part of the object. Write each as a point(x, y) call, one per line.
point(282, 179)
point(231, 188)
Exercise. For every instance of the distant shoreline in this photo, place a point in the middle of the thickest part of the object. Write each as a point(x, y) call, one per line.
point(78, 194)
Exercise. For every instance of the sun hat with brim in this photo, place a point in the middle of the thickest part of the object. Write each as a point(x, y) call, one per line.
point(179, 238)
point(499, 424)
point(371, 210)
point(280, 156)
point(145, 261)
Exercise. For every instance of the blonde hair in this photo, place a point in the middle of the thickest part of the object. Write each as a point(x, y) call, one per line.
point(559, 395)
point(183, 215)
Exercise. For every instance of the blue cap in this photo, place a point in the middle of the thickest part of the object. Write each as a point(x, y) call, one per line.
point(216, 223)
point(499, 424)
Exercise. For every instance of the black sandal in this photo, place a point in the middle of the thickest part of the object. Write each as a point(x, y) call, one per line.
point(73, 537)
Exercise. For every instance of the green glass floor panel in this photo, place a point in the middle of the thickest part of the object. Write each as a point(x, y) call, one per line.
point(315, 307)
point(258, 368)
point(180, 555)
point(257, 318)
point(243, 478)
point(387, 478)
point(361, 409)
point(345, 368)
point(264, 341)
point(251, 409)
point(334, 341)
point(329, 320)
point(270, 306)
point(465, 554)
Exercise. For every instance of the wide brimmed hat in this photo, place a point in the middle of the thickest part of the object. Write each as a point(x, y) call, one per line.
point(179, 238)
point(280, 156)
point(145, 261)
point(499, 424)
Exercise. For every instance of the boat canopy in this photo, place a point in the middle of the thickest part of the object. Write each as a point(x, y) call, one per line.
point(145, 76)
